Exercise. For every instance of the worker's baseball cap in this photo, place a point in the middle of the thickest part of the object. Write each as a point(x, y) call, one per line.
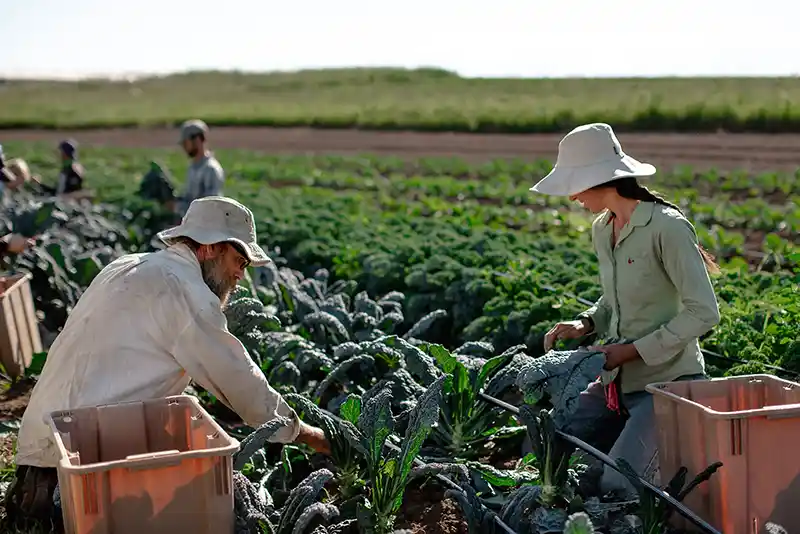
point(193, 127)
point(211, 220)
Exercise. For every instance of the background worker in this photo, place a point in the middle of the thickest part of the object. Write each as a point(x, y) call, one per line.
point(12, 176)
point(205, 176)
point(146, 325)
point(657, 297)
point(7, 177)
point(70, 179)
point(5, 174)
point(14, 173)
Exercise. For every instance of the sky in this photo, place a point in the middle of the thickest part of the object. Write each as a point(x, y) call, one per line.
point(516, 38)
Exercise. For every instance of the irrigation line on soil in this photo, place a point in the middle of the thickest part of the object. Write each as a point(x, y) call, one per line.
point(441, 478)
point(680, 508)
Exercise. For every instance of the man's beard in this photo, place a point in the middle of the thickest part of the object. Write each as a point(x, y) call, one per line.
point(216, 281)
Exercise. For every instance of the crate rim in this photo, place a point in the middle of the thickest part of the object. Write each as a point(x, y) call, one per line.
point(153, 463)
point(779, 411)
point(23, 276)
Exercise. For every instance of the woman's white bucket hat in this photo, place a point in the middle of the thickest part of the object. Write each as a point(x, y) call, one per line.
point(588, 156)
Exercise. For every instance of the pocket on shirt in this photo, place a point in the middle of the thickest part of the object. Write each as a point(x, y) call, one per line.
point(639, 272)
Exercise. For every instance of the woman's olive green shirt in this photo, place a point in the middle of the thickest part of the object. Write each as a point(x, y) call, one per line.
point(657, 291)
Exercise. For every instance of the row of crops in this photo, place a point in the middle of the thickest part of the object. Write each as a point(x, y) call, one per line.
point(397, 409)
point(390, 306)
point(380, 228)
point(393, 229)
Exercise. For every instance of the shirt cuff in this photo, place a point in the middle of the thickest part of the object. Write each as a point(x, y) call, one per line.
point(287, 434)
point(598, 318)
point(588, 320)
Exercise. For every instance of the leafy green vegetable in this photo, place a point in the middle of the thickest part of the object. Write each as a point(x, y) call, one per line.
point(348, 462)
point(579, 523)
point(389, 474)
point(552, 456)
point(466, 423)
point(653, 512)
point(257, 439)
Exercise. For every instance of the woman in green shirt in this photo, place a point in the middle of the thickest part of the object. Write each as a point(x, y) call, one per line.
point(657, 296)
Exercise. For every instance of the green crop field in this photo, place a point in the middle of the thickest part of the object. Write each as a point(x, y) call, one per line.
point(400, 289)
point(395, 99)
point(385, 222)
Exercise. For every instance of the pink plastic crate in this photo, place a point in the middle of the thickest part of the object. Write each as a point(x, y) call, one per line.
point(160, 466)
point(749, 423)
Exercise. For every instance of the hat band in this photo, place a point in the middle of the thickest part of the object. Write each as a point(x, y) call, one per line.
point(592, 164)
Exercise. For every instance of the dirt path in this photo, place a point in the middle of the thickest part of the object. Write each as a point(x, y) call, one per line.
point(724, 151)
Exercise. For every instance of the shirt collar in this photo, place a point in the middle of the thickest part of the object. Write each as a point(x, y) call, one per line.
point(186, 254)
point(641, 216)
point(207, 155)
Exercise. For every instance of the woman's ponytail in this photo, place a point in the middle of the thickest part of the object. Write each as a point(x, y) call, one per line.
point(630, 188)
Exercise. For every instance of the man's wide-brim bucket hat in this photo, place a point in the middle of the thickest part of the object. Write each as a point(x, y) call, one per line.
point(211, 220)
point(588, 156)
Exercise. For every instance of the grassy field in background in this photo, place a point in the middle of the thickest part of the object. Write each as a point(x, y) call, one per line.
point(396, 99)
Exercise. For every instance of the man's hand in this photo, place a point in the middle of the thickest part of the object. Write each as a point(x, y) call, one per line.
point(313, 437)
point(565, 330)
point(617, 354)
point(18, 243)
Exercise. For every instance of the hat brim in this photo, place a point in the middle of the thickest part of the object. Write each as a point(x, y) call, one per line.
point(254, 252)
point(568, 181)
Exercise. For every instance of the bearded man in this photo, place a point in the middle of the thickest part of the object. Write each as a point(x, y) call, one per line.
point(146, 325)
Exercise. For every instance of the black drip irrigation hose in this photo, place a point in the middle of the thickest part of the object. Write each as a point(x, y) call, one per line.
point(680, 508)
point(607, 460)
point(580, 444)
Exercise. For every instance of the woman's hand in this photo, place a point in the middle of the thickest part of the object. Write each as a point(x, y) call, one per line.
point(617, 354)
point(313, 437)
point(566, 330)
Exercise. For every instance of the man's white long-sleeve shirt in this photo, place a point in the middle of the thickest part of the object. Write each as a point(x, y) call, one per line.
point(145, 326)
